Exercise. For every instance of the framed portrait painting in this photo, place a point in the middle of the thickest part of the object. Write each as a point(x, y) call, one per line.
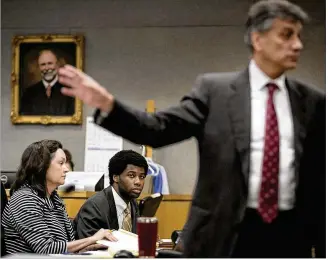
point(36, 92)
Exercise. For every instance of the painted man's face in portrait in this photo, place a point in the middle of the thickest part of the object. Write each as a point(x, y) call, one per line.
point(48, 65)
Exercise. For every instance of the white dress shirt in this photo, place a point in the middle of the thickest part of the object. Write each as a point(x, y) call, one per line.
point(52, 83)
point(120, 207)
point(259, 96)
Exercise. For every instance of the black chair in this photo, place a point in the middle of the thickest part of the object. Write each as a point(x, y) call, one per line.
point(149, 205)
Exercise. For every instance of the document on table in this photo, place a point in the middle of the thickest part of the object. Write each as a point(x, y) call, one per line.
point(126, 240)
point(89, 254)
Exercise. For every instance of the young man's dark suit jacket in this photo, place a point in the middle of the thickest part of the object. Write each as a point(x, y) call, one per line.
point(34, 101)
point(99, 211)
point(217, 113)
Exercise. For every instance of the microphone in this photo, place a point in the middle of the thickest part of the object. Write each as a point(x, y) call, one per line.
point(175, 236)
point(123, 254)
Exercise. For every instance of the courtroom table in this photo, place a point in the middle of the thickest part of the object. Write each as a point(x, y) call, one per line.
point(171, 214)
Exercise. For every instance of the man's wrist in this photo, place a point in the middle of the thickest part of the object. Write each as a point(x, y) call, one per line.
point(107, 105)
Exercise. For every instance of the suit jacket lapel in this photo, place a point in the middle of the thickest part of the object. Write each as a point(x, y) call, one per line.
point(239, 106)
point(134, 215)
point(112, 217)
point(298, 113)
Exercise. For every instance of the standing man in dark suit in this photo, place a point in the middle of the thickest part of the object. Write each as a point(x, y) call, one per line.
point(251, 127)
point(45, 97)
point(115, 206)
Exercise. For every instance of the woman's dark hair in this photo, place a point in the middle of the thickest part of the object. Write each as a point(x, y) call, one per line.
point(69, 158)
point(120, 160)
point(34, 164)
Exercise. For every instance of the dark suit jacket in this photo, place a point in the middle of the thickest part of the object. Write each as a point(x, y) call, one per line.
point(34, 101)
point(312, 188)
point(98, 212)
point(217, 113)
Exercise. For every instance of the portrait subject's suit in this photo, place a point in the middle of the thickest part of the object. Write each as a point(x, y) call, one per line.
point(99, 211)
point(34, 101)
point(217, 112)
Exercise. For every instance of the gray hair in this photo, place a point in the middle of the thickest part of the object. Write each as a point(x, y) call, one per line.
point(262, 14)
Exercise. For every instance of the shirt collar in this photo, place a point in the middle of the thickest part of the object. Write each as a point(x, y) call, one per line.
point(119, 202)
point(52, 83)
point(258, 79)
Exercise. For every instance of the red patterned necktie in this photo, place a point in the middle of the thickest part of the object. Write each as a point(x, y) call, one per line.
point(48, 90)
point(268, 199)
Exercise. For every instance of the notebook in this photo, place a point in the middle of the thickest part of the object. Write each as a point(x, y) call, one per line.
point(126, 240)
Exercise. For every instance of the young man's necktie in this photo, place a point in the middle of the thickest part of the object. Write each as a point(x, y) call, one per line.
point(127, 224)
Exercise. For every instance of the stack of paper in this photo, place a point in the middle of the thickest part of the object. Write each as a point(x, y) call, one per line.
point(126, 241)
point(165, 243)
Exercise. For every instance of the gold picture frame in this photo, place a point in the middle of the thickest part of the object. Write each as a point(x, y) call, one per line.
point(30, 101)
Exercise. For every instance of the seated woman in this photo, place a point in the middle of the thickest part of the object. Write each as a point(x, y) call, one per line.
point(35, 219)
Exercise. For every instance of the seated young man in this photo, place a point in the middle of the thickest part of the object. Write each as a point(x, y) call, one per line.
point(115, 207)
